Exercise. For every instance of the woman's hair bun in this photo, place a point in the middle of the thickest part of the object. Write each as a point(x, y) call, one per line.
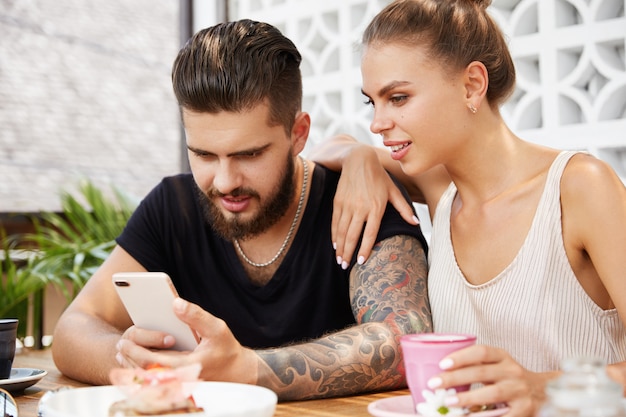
point(482, 3)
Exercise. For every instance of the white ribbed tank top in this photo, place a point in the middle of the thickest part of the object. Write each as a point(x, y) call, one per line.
point(535, 308)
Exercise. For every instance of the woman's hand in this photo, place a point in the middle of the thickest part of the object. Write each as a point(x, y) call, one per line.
point(363, 191)
point(505, 381)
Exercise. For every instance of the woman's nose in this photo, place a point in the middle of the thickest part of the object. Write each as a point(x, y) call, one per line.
point(380, 122)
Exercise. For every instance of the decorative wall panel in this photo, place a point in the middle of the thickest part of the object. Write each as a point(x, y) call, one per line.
point(571, 70)
point(327, 34)
point(569, 55)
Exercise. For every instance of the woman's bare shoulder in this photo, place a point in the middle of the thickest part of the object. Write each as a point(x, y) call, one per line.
point(584, 172)
point(590, 186)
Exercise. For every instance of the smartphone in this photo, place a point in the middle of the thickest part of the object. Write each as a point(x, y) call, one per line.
point(148, 298)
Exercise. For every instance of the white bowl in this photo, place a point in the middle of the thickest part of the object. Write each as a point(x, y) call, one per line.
point(218, 399)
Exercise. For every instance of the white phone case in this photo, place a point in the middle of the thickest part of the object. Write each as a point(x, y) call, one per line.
point(148, 298)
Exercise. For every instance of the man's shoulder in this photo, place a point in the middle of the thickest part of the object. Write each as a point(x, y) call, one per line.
point(185, 178)
point(172, 193)
point(326, 175)
point(175, 184)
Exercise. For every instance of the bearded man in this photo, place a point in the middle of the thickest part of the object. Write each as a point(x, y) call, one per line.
point(246, 239)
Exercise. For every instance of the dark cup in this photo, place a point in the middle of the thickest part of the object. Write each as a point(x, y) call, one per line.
point(8, 336)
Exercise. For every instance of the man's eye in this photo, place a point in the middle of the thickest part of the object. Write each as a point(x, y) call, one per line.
point(251, 154)
point(203, 155)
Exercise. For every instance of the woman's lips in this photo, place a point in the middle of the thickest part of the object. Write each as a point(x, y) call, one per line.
point(398, 151)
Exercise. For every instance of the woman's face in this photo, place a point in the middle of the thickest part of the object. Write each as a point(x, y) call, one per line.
point(419, 108)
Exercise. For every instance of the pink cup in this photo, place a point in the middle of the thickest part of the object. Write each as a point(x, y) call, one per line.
point(422, 354)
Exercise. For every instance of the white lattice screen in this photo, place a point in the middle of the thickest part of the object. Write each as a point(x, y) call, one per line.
point(569, 54)
point(327, 34)
point(571, 69)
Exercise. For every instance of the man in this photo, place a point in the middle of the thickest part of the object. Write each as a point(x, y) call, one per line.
point(246, 240)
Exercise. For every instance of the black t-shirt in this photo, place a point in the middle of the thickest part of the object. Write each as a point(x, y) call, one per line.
point(306, 298)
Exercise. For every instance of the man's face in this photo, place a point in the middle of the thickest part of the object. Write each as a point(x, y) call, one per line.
point(244, 170)
point(271, 208)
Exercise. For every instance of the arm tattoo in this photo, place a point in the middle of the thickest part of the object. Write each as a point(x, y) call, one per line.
point(389, 298)
point(394, 289)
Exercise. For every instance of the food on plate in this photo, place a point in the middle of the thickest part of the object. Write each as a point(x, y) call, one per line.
point(155, 391)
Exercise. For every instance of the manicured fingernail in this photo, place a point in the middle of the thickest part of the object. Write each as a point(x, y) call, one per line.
point(361, 260)
point(335, 245)
point(434, 382)
point(339, 260)
point(446, 363)
point(118, 345)
point(344, 265)
point(169, 340)
point(416, 220)
point(451, 400)
point(119, 358)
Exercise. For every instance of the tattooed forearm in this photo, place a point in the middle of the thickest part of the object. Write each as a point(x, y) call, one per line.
point(358, 359)
point(389, 298)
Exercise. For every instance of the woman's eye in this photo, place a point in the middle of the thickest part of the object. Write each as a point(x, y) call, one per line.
point(398, 99)
point(369, 102)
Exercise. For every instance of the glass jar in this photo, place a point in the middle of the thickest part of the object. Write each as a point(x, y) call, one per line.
point(583, 390)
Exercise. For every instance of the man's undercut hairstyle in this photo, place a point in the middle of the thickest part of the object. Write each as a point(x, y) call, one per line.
point(236, 66)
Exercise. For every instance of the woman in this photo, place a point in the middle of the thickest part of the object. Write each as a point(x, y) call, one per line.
point(527, 243)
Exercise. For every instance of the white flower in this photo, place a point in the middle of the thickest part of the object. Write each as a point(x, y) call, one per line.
point(435, 405)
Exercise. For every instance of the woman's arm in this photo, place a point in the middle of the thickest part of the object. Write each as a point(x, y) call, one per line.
point(365, 188)
point(338, 152)
point(593, 200)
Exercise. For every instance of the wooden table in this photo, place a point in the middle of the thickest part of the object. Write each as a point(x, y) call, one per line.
point(27, 402)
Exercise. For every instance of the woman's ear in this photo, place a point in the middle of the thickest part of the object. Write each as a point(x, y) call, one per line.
point(300, 131)
point(476, 84)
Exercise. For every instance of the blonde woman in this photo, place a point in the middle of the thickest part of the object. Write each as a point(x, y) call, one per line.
point(528, 243)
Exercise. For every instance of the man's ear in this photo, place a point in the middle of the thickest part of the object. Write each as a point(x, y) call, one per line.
point(300, 131)
point(476, 83)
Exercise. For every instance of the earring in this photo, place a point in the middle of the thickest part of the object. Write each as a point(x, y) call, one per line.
point(472, 108)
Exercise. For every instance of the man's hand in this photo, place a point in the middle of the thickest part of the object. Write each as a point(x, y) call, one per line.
point(221, 355)
point(148, 339)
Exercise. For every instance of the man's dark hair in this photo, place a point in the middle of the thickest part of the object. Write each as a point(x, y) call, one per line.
point(236, 66)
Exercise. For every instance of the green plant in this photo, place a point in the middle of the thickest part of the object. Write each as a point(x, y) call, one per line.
point(17, 284)
point(71, 245)
point(65, 247)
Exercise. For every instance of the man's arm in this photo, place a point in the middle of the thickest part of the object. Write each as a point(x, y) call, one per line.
point(389, 298)
point(89, 329)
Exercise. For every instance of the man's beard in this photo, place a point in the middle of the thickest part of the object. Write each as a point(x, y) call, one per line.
point(269, 213)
